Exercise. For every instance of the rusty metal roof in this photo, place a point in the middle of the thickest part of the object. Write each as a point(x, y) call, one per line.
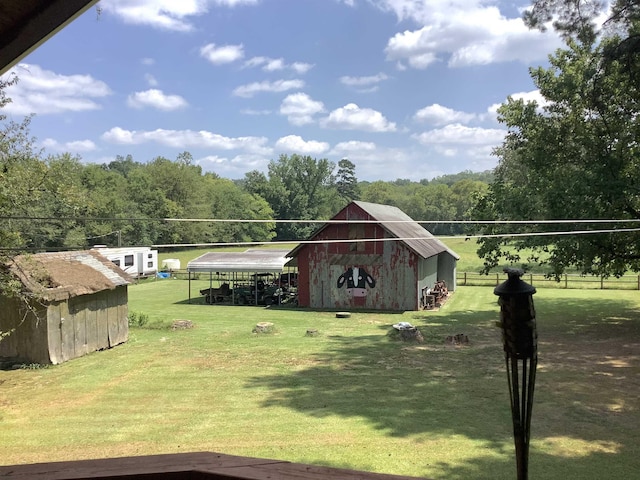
point(397, 223)
point(402, 226)
point(252, 260)
point(61, 275)
point(26, 24)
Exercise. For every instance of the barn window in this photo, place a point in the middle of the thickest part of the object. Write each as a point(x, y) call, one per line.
point(128, 260)
point(356, 231)
point(149, 255)
point(150, 264)
point(116, 262)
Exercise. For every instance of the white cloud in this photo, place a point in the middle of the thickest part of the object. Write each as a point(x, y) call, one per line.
point(147, 61)
point(353, 146)
point(532, 96)
point(186, 139)
point(294, 143)
point(352, 117)
point(274, 64)
point(277, 64)
point(151, 80)
point(222, 54)
point(363, 81)
point(300, 67)
point(250, 111)
point(76, 146)
point(42, 91)
point(251, 89)
point(438, 115)
point(165, 14)
point(156, 99)
point(299, 108)
point(234, 167)
point(463, 33)
point(212, 159)
point(461, 135)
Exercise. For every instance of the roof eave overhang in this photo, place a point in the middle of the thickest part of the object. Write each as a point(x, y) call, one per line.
point(44, 20)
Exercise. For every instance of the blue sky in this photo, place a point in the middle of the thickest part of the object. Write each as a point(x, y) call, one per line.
point(402, 88)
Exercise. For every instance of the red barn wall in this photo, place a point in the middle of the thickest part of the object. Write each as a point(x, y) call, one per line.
point(391, 265)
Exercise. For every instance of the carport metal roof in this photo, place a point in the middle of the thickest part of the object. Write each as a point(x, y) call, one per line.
point(252, 260)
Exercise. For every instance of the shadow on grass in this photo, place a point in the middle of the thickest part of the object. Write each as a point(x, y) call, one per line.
point(587, 389)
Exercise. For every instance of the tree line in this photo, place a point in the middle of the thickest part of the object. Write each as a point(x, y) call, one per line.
point(58, 202)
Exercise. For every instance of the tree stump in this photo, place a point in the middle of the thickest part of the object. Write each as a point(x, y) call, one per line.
point(411, 335)
point(459, 339)
point(181, 324)
point(406, 332)
point(312, 332)
point(263, 327)
point(343, 315)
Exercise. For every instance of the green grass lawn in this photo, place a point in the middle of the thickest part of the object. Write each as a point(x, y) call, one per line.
point(349, 397)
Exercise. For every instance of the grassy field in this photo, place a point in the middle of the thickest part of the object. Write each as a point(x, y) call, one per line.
point(349, 397)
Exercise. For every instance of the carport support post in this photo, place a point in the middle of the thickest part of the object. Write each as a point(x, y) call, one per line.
point(520, 342)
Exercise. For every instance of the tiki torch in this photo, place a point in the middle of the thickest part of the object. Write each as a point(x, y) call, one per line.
point(519, 337)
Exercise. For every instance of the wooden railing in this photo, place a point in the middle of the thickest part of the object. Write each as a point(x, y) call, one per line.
point(191, 466)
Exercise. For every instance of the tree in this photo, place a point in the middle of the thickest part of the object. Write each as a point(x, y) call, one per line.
point(107, 197)
point(576, 157)
point(430, 203)
point(381, 192)
point(228, 201)
point(296, 189)
point(346, 181)
point(181, 188)
point(576, 20)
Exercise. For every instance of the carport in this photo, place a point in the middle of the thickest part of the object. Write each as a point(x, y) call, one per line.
point(238, 267)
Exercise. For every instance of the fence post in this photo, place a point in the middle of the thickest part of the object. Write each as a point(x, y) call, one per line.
point(531, 279)
point(497, 279)
point(465, 278)
point(566, 281)
point(601, 283)
point(638, 282)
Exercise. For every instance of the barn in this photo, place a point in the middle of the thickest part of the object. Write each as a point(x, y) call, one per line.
point(76, 303)
point(383, 260)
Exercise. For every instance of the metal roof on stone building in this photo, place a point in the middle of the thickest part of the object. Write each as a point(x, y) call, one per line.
point(58, 276)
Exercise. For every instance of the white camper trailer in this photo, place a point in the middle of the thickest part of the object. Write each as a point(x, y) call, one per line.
point(136, 261)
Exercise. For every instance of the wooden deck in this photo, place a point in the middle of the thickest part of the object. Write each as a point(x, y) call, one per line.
point(192, 466)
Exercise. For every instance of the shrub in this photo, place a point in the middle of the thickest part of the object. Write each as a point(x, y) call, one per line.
point(138, 319)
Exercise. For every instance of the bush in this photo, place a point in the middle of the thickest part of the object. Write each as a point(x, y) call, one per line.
point(138, 319)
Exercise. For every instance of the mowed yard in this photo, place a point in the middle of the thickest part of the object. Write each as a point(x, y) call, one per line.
point(348, 397)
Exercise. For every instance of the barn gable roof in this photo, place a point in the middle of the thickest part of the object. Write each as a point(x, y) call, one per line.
point(398, 224)
point(401, 225)
point(61, 275)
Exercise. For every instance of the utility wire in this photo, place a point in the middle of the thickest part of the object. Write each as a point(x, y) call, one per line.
point(354, 240)
point(332, 221)
point(391, 239)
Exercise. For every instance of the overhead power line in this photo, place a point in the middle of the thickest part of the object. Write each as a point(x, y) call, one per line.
point(392, 239)
point(332, 221)
point(353, 240)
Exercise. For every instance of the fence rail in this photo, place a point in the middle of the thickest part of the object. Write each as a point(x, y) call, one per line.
point(567, 281)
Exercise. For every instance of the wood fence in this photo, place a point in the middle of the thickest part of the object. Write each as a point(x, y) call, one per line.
point(567, 281)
